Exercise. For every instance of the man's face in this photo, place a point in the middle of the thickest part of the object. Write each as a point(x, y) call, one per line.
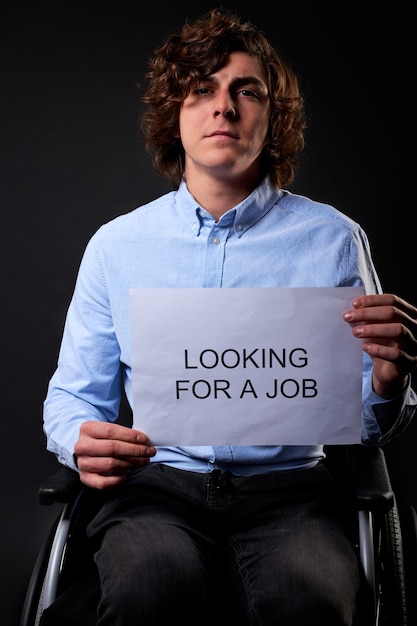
point(224, 121)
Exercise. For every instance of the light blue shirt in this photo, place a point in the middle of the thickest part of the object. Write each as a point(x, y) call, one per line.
point(272, 239)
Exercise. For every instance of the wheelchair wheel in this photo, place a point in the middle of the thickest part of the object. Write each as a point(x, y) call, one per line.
point(33, 604)
point(391, 583)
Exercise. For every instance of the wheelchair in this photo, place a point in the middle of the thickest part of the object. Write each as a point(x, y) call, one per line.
point(377, 537)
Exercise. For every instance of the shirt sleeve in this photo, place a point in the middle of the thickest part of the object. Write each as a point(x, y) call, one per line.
point(381, 419)
point(87, 382)
point(384, 419)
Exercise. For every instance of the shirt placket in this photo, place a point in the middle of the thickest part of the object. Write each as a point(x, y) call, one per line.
point(215, 256)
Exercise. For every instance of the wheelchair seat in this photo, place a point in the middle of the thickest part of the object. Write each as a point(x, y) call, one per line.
point(65, 560)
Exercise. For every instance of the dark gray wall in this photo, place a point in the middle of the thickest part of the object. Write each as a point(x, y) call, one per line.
point(71, 160)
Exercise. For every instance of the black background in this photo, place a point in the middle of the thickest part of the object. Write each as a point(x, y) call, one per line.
point(71, 159)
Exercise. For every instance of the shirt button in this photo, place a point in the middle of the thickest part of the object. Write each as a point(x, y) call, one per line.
point(239, 227)
point(216, 241)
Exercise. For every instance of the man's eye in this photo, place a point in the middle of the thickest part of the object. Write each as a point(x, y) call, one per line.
point(248, 92)
point(201, 90)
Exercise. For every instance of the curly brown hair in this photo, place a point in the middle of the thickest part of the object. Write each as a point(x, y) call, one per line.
point(201, 49)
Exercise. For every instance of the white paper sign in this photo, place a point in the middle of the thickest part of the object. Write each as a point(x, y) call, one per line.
point(245, 366)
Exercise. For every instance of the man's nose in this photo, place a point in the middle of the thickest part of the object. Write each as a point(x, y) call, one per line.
point(225, 106)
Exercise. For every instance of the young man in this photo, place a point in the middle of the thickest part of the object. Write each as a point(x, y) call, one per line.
point(224, 121)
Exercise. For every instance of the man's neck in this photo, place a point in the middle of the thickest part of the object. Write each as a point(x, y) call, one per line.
point(217, 196)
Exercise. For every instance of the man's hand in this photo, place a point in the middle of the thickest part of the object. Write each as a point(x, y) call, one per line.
point(388, 327)
point(105, 452)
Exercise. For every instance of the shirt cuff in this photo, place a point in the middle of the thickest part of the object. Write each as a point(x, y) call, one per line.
point(384, 419)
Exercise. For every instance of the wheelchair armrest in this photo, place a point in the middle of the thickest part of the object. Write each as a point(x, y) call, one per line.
point(61, 486)
point(371, 480)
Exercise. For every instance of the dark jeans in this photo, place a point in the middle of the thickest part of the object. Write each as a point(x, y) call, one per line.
point(182, 547)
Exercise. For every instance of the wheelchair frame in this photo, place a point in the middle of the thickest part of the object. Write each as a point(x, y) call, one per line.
point(378, 538)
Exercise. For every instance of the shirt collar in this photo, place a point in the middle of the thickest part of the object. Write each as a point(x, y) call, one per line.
point(241, 217)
